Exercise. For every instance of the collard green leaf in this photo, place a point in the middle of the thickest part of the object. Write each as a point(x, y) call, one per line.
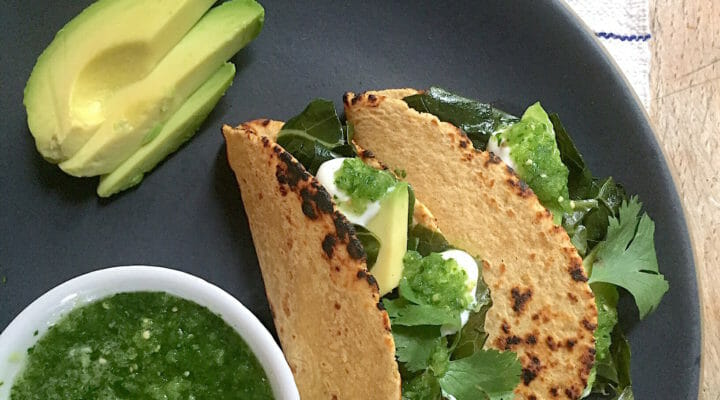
point(316, 135)
point(579, 178)
point(627, 258)
point(472, 336)
point(310, 153)
point(487, 374)
point(370, 243)
point(477, 120)
point(426, 241)
point(318, 121)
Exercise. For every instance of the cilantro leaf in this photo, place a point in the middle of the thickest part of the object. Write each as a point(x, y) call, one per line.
point(487, 374)
point(627, 258)
point(415, 345)
point(403, 313)
point(422, 387)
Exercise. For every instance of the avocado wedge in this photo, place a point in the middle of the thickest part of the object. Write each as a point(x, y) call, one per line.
point(141, 107)
point(176, 131)
point(390, 226)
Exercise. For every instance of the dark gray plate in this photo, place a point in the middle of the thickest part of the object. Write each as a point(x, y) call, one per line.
point(188, 214)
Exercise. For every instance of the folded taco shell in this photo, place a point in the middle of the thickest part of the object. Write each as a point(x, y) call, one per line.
point(543, 308)
point(335, 335)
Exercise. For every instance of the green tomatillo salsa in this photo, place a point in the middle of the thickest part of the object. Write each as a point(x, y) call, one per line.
point(141, 345)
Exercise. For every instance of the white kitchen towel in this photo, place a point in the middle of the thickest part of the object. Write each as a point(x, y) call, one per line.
point(623, 27)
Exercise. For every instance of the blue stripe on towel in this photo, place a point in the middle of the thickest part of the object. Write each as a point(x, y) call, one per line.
point(624, 38)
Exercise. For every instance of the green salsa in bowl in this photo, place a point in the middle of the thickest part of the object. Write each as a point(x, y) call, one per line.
point(140, 332)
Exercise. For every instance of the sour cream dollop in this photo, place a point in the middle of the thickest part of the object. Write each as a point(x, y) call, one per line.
point(501, 149)
point(469, 265)
point(326, 176)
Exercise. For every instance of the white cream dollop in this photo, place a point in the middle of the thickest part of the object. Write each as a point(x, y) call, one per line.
point(469, 265)
point(326, 176)
point(501, 149)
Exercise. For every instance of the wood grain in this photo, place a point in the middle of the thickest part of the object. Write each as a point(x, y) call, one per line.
point(685, 110)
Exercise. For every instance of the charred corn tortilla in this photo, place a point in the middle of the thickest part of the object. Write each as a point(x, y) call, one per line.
point(334, 335)
point(543, 308)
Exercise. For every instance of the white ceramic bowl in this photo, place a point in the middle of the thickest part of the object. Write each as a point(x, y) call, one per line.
point(43, 312)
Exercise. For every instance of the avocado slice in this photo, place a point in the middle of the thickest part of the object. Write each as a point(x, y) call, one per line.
point(111, 44)
point(176, 131)
point(141, 107)
point(390, 226)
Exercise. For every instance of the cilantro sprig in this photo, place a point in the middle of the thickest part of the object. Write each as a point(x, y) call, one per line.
point(627, 258)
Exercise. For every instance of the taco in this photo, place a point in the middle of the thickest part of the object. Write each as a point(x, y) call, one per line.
point(376, 296)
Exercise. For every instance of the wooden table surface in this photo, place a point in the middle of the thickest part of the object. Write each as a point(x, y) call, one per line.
point(685, 111)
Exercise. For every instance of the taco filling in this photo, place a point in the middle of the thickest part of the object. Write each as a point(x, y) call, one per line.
point(375, 296)
point(433, 293)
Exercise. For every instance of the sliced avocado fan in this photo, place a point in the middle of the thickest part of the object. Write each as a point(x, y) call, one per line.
point(111, 44)
point(141, 107)
point(126, 82)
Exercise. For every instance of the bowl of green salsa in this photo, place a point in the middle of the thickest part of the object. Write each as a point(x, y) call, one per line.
point(140, 332)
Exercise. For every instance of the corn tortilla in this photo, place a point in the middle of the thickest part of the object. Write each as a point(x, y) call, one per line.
point(543, 308)
point(335, 335)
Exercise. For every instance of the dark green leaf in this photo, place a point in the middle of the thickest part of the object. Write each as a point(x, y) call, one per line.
point(426, 241)
point(472, 336)
point(411, 207)
point(587, 223)
point(620, 350)
point(579, 178)
point(318, 121)
point(311, 154)
point(477, 120)
point(627, 394)
point(485, 374)
point(370, 243)
point(316, 135)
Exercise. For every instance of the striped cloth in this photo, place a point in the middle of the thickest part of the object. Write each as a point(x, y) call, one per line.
point(623, 27)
